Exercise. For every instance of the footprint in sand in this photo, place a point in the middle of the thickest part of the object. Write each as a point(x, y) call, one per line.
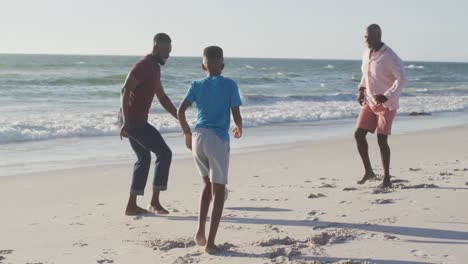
point(417, 186)
point(166, 245)
point(281, 255)
point(414, 169)
point(313, 196)
point(273, 228)
point(79, 244)
point(326, 185)
point(185, 259)
point(348, 189)
point(4, 252)
point(381, 191)
point(419, 253)
point(105, 261)
point(383, 201)
point(445, 174)
point(76, 223)
point(285, 241)
point(390, 237)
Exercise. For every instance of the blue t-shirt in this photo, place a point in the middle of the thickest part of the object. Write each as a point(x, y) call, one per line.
point(214, 97)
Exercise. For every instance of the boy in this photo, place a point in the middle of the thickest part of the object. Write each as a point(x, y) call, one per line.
point(215, 97)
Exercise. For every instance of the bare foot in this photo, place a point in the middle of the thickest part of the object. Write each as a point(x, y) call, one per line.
point(211, 249)
point(157, 209)
point(385, 184)
point(200, 239)
point(135, 211)
point(367, 177)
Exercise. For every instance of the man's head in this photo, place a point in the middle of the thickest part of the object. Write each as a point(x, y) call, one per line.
point(213, 61)
point(162, 47)
point(373, 35)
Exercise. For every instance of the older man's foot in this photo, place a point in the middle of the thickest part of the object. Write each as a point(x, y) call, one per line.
point(367, 177)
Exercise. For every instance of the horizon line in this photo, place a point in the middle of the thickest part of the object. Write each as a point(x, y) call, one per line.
point(234, 57)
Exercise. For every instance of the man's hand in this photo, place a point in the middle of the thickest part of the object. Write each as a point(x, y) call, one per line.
point(123, 131)
point(188, 141)
point(380, 98)
point(361, 96)
point(237, 131)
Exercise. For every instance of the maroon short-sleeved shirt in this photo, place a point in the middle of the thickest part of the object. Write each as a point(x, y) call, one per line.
point(148, 74)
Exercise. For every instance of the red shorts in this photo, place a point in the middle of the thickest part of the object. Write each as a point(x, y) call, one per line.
point(376, 117)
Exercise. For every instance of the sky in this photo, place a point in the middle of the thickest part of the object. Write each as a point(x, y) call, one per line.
point(310, 29)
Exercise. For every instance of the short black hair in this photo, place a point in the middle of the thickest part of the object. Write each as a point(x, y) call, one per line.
point(213, 52)
point(162, 38)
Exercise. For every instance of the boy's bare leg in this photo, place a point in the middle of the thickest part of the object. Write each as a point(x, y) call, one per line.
point(155, 206)
point(218, 204)
point(132, 207)
point(205, 200)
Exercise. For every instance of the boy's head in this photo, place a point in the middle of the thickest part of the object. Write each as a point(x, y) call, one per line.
point(213, 61)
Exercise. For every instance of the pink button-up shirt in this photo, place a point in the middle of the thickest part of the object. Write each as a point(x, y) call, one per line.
point(383, 73)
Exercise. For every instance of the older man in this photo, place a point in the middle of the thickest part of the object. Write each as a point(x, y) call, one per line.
point(383, 78)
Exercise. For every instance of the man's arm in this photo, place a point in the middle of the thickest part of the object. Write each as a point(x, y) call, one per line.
point(183, 123)
point(130, 84)
point(236, 115)
point(165, 101)
point(362, 89)
point(398, 70)
point(362, 85)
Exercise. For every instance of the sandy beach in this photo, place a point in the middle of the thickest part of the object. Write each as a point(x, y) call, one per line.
point(289, 203)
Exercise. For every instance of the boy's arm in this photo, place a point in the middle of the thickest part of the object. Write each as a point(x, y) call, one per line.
point(165, 101)
point(183, 123)
point(236, 115)
point(130, 84)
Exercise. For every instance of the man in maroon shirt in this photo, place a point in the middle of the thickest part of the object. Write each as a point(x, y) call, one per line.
point(142, 83)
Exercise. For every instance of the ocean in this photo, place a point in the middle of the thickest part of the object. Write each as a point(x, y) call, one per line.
point(54, 105)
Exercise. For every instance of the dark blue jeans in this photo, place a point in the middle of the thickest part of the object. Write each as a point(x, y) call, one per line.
point(144, 139)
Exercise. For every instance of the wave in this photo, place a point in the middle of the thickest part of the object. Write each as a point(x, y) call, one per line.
point(290, 109)
point(264, 99)
point(414, 66)
point(329, 66)
point(104, 80)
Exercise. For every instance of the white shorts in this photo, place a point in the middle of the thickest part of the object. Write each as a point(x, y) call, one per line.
point(211, 155)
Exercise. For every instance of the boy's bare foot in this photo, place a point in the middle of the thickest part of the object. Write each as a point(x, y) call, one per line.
point(200, 239)
point(135, 210)
point(211, 249)
point(157, 209)
point(367, 177)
